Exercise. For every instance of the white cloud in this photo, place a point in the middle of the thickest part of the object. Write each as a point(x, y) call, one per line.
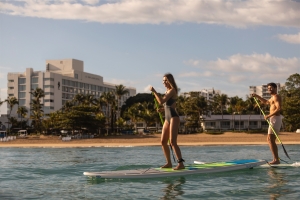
point(239, 13)
point(293, 39)
point(242, 68)
point(196, 74)
point(91, 2)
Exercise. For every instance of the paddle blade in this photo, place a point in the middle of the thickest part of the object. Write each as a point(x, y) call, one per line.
point(285, 152)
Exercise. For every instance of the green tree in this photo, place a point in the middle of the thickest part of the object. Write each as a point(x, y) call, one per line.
point(232, 109)
point(22, 111)
point(108, 99)
point(133, 114)
point(240, 107)
point(147, 113)
point(119, 92)
point(36, 108)
point(194, 107)
point(11, 101)
point(291, 102)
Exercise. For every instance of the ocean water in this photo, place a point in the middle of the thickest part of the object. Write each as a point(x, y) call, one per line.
point(57, 173)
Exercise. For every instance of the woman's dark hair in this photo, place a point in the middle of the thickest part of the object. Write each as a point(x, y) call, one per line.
point(171, 80)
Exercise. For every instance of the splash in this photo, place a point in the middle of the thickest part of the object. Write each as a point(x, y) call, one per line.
point(296, 164)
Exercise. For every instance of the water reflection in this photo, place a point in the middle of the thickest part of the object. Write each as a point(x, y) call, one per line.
point(277, 181)
point(173, 188)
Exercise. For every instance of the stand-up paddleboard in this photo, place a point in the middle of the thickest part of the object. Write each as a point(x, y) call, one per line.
point(282, 165)
point(192, 169)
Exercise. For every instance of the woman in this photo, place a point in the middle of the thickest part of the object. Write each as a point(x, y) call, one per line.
point(171, 124)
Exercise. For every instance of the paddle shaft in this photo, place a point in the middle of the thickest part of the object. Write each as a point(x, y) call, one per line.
point(271, 127)
point(162, 122)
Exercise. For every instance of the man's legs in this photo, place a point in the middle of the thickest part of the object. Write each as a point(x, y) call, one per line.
point(276, 122)
point(273, 147)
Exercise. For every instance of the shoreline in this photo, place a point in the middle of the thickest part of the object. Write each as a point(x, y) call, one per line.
point(199, 139)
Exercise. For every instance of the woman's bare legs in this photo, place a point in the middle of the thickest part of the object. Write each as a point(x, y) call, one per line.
point(174, 126)
point(164, 143)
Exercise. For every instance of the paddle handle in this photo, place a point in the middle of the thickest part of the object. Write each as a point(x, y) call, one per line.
point(157, 106)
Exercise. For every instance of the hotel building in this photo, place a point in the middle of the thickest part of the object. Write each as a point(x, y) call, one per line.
point(208, 94)
point(61, 81)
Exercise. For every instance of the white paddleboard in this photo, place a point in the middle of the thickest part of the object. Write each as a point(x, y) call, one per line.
point(192, 169)
point(282, 165)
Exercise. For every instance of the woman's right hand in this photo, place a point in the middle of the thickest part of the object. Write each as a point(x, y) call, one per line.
point(152, 89)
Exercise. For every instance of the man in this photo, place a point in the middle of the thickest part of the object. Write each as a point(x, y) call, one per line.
point(274, 118)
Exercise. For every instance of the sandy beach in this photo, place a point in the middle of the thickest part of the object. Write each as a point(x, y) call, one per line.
point(200, 139)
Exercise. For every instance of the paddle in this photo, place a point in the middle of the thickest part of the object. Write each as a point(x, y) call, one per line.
point(162, 122)
point(272, 128)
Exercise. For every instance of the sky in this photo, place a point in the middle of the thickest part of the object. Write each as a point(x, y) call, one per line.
point(226, 45)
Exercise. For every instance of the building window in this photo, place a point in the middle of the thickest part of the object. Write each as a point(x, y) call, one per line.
point(34, 86)
point(11, 81)
point(264, 123)
point(81, 85)
point(22, 80)
point(61, 62)
point(236, 123)
point(11, 88)
point(22, 102)
point(22, 94)
point(48, 86)
point(22, 87)
point(139, 125)
point(49, 100)
point(76, 76)
point(48, 79)
point(11, 95)
point(253, 123)
point(49, 93)
point(34, 80)
point(210, 124)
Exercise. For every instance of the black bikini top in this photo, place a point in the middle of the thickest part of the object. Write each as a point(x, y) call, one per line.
point(170, 102)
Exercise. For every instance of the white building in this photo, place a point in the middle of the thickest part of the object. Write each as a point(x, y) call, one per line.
point(207, 93)
point(262, 90)
point(61, 81)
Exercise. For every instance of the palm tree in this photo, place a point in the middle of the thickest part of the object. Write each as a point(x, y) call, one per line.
point(78, 99)
point(67, 106)
point(232, 102)
point(133, 113)
point(120, 91)
point(22, 111)
point(251, 106)
point(108, 98)
point(89, 99)
point(147, 112)
point(38, 93)
point(11, 101)
point(240, 106)
point(36, 107)
point(222, 101)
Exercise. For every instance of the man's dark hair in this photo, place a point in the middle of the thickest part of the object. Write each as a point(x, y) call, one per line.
point(272, 85)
